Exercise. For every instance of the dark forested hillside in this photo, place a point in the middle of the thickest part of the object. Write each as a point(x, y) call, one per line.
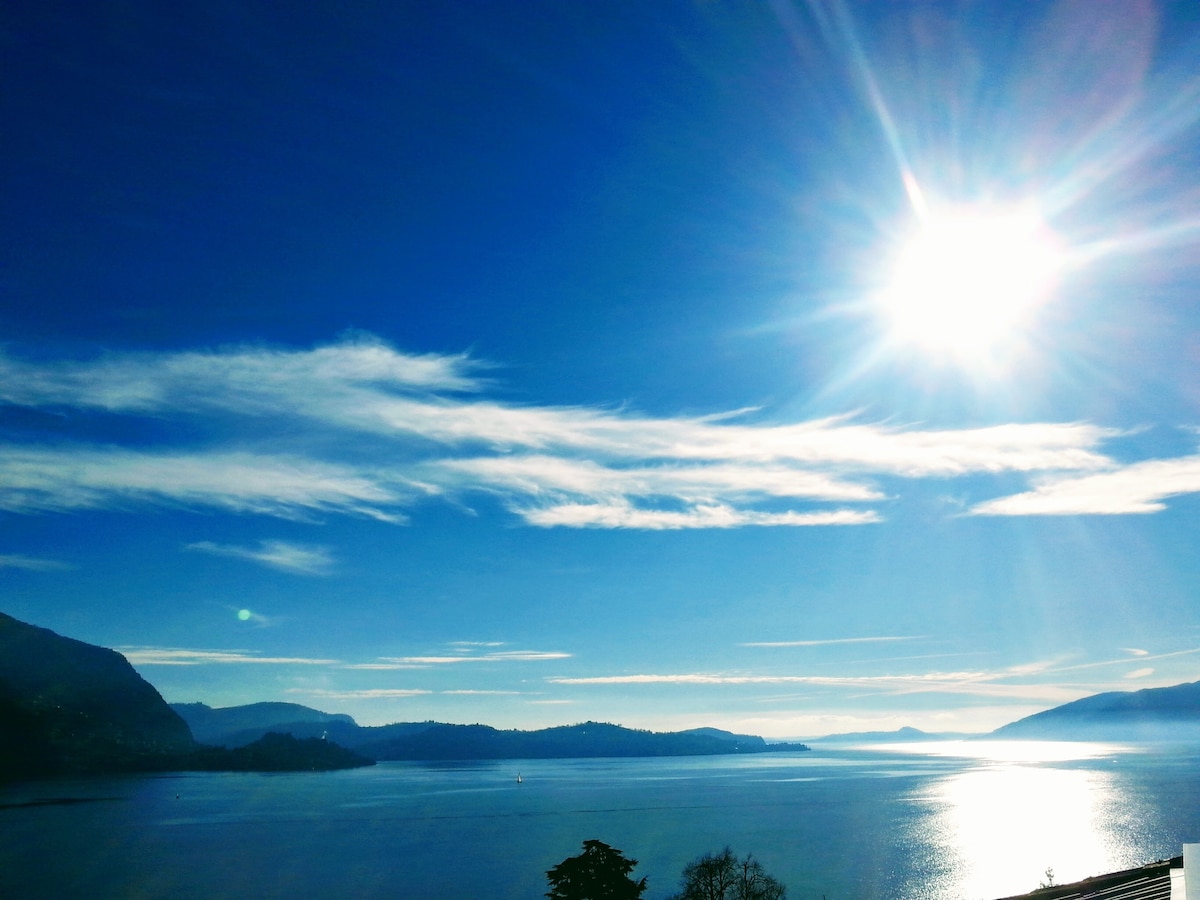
point(67, 706)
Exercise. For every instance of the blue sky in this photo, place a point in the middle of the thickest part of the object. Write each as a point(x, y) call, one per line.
point(787, 367)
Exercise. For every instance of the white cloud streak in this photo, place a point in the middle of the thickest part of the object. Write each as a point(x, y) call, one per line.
point(366, 694)
point(300, 559)
point(979, 684)
point(392, 693)
point(31, 563)
point(60, 479)
point(245, 379)
point(1135, 489)
point(828, 641)
point(1027, 681)
point(1055, 668)
point(177, 656)
point(538, 473)
point(625, 515)
point(422, 662)
point(370, 431)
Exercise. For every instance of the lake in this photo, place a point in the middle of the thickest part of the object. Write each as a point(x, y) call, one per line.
point(950, 821)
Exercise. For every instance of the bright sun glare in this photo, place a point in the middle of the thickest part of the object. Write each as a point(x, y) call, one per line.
point(967, 278)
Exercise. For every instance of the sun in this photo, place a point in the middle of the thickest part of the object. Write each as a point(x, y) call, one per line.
point(968, 278)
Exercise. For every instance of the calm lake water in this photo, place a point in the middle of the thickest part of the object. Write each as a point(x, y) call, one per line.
point(937, 822)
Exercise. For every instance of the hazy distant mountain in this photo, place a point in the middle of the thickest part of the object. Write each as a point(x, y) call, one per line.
point(588, 740)
point(67, 706)
point(239, 725)
point(236, 726)
point(901, 735)
point(1154, 714)
point(746, 741)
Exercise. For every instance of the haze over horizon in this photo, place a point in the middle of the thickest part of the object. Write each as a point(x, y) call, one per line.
point(792, 368)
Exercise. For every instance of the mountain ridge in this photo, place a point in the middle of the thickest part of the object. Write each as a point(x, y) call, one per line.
point(445, 741)
point(71, 707)
point(1161, 714)
point(1150, 714)
point(211, 725)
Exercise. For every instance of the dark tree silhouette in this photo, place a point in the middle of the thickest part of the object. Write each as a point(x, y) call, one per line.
point(600, 872)
point(725, 877)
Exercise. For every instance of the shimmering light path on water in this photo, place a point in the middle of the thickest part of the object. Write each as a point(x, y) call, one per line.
point(1023, 802)
point(841, 823)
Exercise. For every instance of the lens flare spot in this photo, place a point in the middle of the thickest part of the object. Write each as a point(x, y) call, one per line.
point(244, 615)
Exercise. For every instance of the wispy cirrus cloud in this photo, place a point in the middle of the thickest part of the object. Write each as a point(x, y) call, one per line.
point(300, 559)
point(254, 379)
point(1134, 489)
point(183, 656)
point(59, 479)
point(178, 656)
point(830, 641)
point(1034, 680)
point(979, 684)
point(359, 428)
point(525, 655)
point(423, 662)
point(31, 563)
point(626, 515)
point(537, 473)
point(364, 694)
point(1056, 667)
point(392, 693)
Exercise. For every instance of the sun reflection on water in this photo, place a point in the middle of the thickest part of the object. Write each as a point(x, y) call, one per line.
point(1001, 824)
point(1012, 751)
